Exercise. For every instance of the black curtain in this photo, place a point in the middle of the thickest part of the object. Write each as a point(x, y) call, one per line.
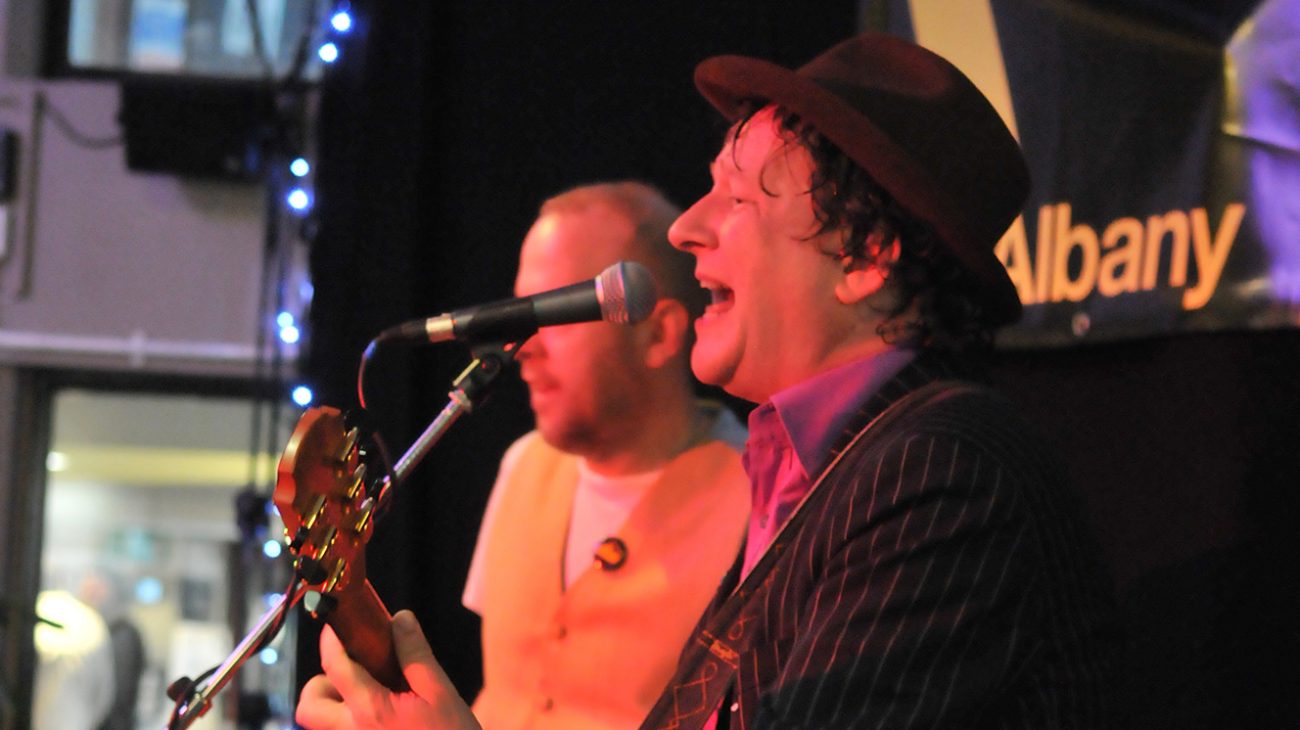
point(1185, 451)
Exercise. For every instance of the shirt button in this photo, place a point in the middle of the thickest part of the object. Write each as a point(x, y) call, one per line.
point(735, 707)
point(547, 704)
point(762, 522)
point(561, 631)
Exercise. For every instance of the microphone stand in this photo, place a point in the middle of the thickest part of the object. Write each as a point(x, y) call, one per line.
point(468, 389)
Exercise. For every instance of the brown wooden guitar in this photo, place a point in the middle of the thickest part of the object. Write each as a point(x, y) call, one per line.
point(321, 494)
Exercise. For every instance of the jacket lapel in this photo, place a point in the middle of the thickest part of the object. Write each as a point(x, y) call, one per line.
point(709, 661)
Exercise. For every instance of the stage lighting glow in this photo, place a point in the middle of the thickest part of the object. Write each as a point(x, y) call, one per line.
point(329, 53)
point(56, 461)
point(341, 21)
point(269, 656)
point(272, 549)
point(298, 199)
point(299, 167)
point(148, 590)
point(290, 335)
point(284, 319)
point(302, 395)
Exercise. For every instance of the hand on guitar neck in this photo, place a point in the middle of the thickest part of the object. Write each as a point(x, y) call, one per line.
point(379, 670)
point(347, 696)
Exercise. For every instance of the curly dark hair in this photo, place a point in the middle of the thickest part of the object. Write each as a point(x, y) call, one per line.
point(950, 311)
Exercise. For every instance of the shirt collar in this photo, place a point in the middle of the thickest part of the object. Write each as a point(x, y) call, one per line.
point(813, 413)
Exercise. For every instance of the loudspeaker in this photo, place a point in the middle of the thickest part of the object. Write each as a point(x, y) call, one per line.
point(197, 127)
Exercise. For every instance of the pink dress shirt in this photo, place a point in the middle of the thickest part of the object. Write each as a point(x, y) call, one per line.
point(791, 436)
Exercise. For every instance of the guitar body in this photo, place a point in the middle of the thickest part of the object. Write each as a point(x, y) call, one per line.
point(321, 494)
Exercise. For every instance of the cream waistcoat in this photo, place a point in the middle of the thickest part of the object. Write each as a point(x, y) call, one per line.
point(598, 655)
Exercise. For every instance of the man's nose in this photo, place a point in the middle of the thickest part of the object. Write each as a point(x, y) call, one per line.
point(531, 348)
point(692, 230)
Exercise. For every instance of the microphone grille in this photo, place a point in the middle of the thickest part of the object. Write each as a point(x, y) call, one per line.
point(627, 293)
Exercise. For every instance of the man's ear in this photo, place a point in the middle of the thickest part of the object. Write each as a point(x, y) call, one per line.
point(666, 332)
point(862, 279)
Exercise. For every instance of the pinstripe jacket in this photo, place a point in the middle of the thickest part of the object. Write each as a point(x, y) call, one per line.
point(937, 575)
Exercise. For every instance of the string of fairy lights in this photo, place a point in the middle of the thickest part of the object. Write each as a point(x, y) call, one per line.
point(300, 197)
point(299, 200)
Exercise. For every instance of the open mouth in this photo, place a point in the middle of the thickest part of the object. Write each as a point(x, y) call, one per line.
point(721, 298)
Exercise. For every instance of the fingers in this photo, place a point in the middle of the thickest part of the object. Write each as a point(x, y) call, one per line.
point(320, 707)
point(348, 698)
point(428, 681)
point(363, 695)
point(421, 669)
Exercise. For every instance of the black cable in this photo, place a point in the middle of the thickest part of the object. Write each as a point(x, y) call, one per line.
point(368, 353)
point(299, 63)
point(259, 42)
point(380, 490)
point(76, 136)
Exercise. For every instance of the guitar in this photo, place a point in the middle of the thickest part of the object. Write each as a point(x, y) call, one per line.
point(321, 494)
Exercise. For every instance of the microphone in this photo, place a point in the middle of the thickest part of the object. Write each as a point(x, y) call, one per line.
point(624, 293)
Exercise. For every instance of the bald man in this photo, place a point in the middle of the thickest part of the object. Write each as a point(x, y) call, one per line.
point(612, 523)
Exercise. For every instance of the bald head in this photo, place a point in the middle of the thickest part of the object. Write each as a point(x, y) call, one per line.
point(638, 217)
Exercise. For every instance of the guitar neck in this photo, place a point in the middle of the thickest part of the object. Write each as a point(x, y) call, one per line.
point(363, 625)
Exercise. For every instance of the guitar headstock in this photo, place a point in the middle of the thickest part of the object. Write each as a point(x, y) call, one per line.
point(320, 492)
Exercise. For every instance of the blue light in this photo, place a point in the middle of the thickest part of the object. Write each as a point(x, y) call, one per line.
point(272, 548)
point(329, 53)
point(284, 319)
point(341, 21)
point(298, 199)
point(299, 167)
point(269, 656)
point(271, 600)
point(302, 395)
point(148, 590)
point(290, 335)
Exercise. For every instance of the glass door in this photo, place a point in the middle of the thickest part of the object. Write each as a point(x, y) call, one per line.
point(159, 552)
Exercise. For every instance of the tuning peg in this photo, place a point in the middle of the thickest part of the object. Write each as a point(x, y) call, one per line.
point(311, 570)
point(314, 512)
point(358, 481)
point(349, 445)
point(322, 606)
point(364, 515)
point(335, 574)
point(299, 538)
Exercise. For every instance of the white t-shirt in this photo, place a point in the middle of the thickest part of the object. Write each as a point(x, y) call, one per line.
point(601, 506)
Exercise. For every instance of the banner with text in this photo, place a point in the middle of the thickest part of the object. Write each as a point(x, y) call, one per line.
point(1165, 155)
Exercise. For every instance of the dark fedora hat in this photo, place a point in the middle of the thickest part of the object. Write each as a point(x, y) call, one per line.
point(916, 124)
